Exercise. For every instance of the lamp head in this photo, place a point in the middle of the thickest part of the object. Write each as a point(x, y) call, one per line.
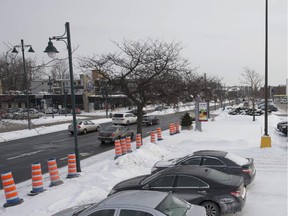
point(31, 50)
point(14, 50)
point(51, 50)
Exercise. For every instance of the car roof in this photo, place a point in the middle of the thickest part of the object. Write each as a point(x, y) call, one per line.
point(188, 169)
point(216, 153)
point(135, 197)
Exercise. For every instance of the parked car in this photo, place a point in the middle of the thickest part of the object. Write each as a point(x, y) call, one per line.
point(150, 120)
point(111, 133)
point(33, 113)
point(84, 126)
point(219, 160)
point(64, 111)
point(282, 127)
point(50, 110)
point(124, 118)
point(218, 192)
point(137, 203)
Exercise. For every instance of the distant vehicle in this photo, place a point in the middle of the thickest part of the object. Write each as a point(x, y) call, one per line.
point(218, 192)
point(137, 203)
point(282, 127)
point(111, 133)
point(150, 120)
point(33, 113)
point(135, 112)
point(124, 118)
point(50, 110)
point(160, 108)
point(64, 111)
point(84, 126)
point(219, 160)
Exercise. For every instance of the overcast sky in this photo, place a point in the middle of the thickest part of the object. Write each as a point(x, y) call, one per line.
point(219, 36)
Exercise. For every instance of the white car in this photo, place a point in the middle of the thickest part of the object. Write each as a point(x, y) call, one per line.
point(124, 118)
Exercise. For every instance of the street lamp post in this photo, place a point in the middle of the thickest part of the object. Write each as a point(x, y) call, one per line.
point(51, 51)
point(23, 46)
point(50, 89)
point(265, 139)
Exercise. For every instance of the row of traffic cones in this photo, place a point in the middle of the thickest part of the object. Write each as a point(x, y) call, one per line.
point(174, 128)
point(9, 186)
point(123, 146)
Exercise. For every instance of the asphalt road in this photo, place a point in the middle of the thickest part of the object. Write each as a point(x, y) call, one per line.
point(18, 155)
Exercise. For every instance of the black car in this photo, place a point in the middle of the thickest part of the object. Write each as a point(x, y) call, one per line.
point(150, 120)
point(282, 127)
point(220, 160)
point(218, 192)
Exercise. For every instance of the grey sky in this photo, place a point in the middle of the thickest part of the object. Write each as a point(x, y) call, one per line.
point(219, 36)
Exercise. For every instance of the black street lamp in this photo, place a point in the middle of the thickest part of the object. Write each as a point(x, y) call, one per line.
point(265, 139)
point(51, 51)
point(23, 46)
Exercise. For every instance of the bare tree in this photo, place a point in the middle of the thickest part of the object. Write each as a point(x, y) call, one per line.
point(145, 71)
point(254, 80)
point(59, 69)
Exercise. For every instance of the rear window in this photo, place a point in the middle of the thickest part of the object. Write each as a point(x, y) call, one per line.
point(218, 176)
point(118, 115)
point(237, 159)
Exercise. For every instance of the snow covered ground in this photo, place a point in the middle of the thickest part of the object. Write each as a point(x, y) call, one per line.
point(266, 196)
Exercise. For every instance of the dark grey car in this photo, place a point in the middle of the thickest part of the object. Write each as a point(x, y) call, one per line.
point(111, 133)
point(219, 160)
point(218, 192)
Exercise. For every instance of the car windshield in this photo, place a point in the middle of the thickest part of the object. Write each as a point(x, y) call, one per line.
point(110, 129)
point(173, 206)
point(238, 160)
point(118, 115)
point(218, 176)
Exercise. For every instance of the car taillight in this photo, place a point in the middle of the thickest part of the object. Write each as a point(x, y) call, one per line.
point(112, 135)
point(236, 193)
point(248, 171)
point(78, 126)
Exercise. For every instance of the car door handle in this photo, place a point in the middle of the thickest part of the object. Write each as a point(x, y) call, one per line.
point(202, 192)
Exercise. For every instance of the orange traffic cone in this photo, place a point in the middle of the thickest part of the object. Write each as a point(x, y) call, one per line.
point(72, 168)
point(128, 144)
point(152, 137)
point(10, 190)
point(177, 127)
point(138, 140)
point(53, 173)
point(159, 134)
point(118, 150)
point(171, 129)
point(123, 146)
point(37, 180)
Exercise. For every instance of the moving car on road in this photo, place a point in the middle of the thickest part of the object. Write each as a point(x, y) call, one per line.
point(137, 203)
point(111, 133)
point(150, 120)
point(84, 126)
point(219, 160)
point(218, 192)
point(124, 118)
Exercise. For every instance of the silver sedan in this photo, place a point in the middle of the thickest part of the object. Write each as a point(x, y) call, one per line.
point(84, 126)
point(140, 203)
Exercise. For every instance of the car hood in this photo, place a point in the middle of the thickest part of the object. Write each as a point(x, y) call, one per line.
point(72, 210)
point(132, 183)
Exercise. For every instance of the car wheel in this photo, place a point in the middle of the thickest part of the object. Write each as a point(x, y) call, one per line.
point(212, 208)
point(102, 142)
point(84, 131)
point(97, 128)
point(127, 123)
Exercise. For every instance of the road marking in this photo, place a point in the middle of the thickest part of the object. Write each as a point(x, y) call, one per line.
point(25, 154)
